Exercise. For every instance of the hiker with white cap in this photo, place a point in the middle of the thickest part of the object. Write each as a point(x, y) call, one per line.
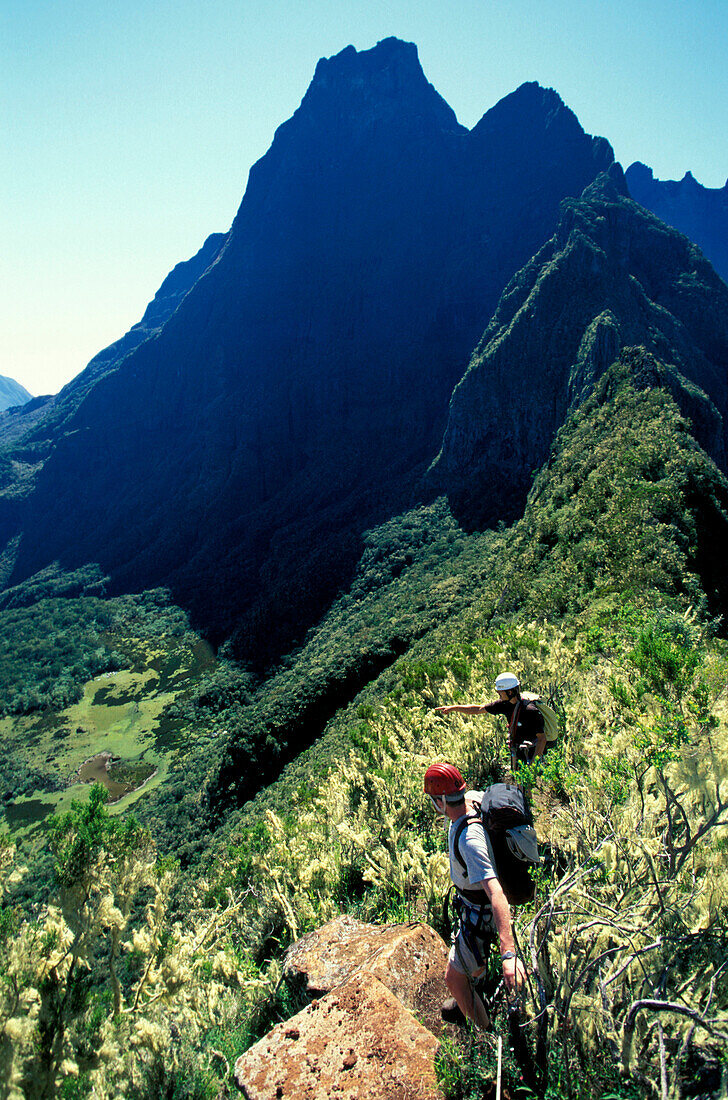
point(527, 736)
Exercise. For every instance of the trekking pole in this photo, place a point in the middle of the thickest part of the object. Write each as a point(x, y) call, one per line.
point(500, 1068)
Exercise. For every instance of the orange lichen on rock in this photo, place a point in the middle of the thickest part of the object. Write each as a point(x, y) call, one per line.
point(356, 1043)
point(410, 959)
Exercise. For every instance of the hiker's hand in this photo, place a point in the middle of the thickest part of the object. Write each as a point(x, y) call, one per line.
point(444, 710)
point(526, 751)
point(514, 974)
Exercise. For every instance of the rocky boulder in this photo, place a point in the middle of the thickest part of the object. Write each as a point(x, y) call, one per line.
point(356, 1043)
point(361, 1038)
point(409, 959)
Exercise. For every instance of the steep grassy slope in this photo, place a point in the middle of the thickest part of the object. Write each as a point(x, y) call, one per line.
point(627, 467)
point(599, 597)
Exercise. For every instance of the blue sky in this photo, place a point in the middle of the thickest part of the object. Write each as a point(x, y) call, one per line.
point(129, 127)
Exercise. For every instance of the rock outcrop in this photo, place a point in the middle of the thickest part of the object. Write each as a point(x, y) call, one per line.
point(409, 959)
point(612, 276)
point(701, 213)
point(300, 388)
point(357, 1043)
point(359, 1038)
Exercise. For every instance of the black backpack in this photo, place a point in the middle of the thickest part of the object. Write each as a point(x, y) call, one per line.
point(505, 815)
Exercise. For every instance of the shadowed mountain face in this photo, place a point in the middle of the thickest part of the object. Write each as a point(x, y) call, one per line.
point(300, 388)
point(701, 213)
point(29, 432)
point(175, 287)
point(612, 276)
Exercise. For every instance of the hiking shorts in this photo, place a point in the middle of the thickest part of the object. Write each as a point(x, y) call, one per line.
point(476, 932)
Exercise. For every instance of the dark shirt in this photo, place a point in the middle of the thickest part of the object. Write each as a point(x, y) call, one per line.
point(529, 721)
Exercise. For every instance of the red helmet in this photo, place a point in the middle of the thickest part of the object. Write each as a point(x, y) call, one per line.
point(444, 779)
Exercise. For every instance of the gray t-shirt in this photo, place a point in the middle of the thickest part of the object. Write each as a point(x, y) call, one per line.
point(475, 849)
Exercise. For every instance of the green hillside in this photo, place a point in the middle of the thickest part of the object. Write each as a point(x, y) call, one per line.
point(155, 959)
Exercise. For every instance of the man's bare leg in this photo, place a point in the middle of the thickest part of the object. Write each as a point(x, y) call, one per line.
point(467, 999)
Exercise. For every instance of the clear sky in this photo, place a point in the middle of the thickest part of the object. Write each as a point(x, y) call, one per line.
point(129, 126)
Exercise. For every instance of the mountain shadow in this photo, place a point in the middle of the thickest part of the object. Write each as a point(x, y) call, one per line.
point(300, 389)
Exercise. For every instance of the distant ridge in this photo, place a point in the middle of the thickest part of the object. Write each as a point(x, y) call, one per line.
point(12, 393)
point(701, 213)
point(175, 286)
point(33, 425)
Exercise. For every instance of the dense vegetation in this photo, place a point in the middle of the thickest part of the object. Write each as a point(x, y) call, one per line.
point(140, 971)
point(50, 648)
point(51, 652)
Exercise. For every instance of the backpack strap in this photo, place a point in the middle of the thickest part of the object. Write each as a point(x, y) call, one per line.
point(512, 724)
point(446, 922)
point(459, 830)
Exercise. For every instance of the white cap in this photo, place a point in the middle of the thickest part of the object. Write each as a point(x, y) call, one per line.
point(506, 682)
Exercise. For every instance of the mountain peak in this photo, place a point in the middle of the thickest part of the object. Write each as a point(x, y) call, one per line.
point(640, 176)
point(608, 186)
point(538, 116)
point(527, 100)
point(640, 173)
point(388, 54)
point(384, 82)
point(531, 92)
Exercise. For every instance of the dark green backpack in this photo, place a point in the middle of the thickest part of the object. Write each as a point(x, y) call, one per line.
point(506, 817)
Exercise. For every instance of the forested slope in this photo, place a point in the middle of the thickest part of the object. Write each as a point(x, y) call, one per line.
point(612, 276)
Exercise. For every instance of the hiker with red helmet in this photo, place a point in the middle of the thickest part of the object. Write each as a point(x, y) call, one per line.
point(526, 731)
point(481, 904)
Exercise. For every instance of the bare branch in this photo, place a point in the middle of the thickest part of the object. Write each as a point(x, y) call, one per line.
point(655, 879)
point(631, 959)
point(663, 1061)
point(712, 822)
point(662, 1006)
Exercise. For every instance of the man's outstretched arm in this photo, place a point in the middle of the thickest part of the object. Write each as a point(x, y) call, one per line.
point(462, 708)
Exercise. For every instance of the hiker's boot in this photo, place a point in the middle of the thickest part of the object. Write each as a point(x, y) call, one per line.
point(451, 1012)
